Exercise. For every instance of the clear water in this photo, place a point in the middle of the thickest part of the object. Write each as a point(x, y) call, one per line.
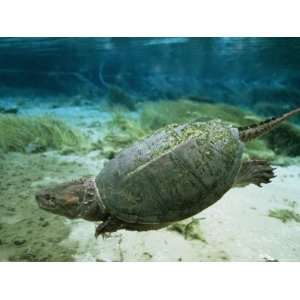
point(150, 82)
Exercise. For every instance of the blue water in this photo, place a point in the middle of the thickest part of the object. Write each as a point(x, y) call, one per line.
point(235, 70)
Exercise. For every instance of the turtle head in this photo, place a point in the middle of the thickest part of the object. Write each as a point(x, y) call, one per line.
point(75, 199)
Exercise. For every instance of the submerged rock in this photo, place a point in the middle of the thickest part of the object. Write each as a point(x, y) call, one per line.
point(19, 242)
point(118, 96)
point(9, 110)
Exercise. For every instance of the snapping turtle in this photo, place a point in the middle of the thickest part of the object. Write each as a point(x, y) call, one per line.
point(177, 172)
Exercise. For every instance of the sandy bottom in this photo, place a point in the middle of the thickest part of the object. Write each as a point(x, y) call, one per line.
point(236, 228)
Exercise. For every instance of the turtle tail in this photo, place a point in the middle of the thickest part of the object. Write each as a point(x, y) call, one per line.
point(254, 131)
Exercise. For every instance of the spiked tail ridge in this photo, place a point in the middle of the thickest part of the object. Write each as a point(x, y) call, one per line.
point(256, 130)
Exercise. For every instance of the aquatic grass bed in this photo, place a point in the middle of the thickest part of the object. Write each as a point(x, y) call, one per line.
point(155, 115)
point(37, 134)
point(123, 131)
point(285, 139)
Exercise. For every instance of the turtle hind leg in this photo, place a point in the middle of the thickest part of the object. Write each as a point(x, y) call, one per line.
point(254, 171)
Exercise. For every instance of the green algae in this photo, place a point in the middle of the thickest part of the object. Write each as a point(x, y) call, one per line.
point(285, 215)
point(223, 256)
point(37, 134)
point(190, 231)
point(201, 132)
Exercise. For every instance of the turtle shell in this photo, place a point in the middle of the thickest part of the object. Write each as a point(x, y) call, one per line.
point(173, 174)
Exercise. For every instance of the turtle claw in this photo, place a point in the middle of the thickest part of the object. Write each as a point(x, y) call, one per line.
point(107, 227)
point(104, 236)
point(100, 229)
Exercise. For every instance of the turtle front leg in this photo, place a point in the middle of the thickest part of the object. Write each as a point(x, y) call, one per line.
point(110, 225)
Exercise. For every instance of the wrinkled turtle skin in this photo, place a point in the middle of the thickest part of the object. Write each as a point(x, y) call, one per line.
point(173, 174)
